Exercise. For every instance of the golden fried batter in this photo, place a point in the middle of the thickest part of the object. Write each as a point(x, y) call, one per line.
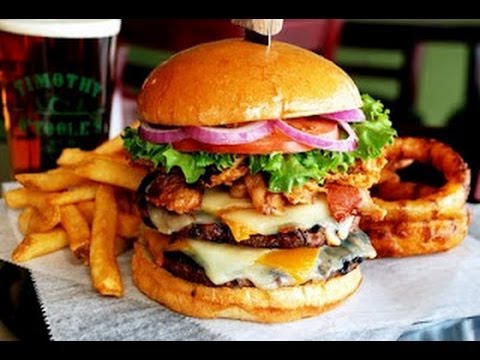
point(171, 191)
point(406, 238)
point(420, 218)
point(364, 174)
point(238, 189)
point(264, 201)
point(445, 201)
point(304, 194)
point(398, 190)
point(227, 177)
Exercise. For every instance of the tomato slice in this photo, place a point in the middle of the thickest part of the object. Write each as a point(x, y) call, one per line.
point(275, 142)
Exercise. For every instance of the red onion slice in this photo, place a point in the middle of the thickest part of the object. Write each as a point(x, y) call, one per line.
point(246, 134)
point(353, 115)
point(161, 136)
point(348, 144)
point(230, 136)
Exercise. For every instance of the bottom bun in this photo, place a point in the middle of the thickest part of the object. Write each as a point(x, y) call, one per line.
point(406, 238)
point(248, 303)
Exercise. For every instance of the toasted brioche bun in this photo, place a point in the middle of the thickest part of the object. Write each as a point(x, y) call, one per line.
point(253, 304)
point(234, 81)
point(407, 238)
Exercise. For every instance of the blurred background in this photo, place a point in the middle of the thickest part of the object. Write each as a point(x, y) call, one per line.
point(423, 70)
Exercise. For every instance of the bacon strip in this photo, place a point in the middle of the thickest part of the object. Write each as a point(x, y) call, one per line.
point(343, 200)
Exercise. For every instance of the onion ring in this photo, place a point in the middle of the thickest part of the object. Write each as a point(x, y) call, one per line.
point(443, 203)
point(420, 219)
point(401, 190)
point(407, 238)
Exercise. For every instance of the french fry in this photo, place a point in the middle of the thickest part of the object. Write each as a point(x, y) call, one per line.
point(88, 210)
point(43, 219)
point(103, 265)
point(135, 124)
point(111, 146)
point(24, 219)
point(77, 230)
point(74, 195)
point(35, 245)
point(114, 145)
point(135, 210)
point(16, 198)
point(113, 173)
point(53, 180)
point(72, 157)
point(21, 197)
point(128, 225)
point(124, 201)
point(127, 203)
point(122, 245)
point(124, 205)
point(88, 204)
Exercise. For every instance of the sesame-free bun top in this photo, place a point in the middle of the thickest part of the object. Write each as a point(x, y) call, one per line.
point(233, 81)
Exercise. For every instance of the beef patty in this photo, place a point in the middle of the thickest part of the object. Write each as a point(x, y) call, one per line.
point(220, 233)
point(182, 266)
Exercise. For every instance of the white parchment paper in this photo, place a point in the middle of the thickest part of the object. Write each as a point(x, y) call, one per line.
point(395, 294)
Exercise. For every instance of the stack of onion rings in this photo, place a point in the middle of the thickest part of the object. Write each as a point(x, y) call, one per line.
point(419, 218)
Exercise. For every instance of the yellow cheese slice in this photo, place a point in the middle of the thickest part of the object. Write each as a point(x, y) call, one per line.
point(271, 268)
point(216, 201)
point(240, 231)
point(246, 222)
point(298, 263)
point(223, 262)
point(179, 245)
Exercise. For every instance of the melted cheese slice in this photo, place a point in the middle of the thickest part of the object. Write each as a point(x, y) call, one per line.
point(223, 263)
point(216, 201)
point(246, 222)
point(297, 263)
point(213, 203)
point(263, 267)
point(271, 268)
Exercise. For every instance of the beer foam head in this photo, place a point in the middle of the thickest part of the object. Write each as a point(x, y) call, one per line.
point(62, 28)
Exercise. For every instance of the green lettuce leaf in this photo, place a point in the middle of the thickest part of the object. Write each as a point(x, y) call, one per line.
point(284, 171)
point(193, 165)
point(374, 133)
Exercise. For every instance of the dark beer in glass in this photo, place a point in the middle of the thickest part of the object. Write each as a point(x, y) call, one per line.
point(56, 82)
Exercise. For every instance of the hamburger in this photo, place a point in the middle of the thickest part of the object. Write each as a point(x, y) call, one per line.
point(261, 159)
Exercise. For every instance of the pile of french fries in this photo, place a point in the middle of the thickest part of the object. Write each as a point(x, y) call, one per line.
point(86, 204)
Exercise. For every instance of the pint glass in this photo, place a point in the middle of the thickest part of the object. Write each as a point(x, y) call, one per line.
point(56, 82)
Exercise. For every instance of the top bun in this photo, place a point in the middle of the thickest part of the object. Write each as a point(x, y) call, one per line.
point(234, 81)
